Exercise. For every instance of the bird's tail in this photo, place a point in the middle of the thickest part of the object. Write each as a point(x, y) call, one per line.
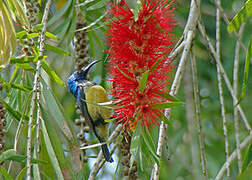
point(106, 153)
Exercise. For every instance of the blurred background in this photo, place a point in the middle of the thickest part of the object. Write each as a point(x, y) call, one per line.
point(182, 160)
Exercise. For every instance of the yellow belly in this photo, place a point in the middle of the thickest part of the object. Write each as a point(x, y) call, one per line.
point(97, 94)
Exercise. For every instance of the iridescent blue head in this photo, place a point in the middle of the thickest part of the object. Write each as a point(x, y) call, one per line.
point(79, 77)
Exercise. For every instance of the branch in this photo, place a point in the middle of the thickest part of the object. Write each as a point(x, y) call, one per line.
point(98, 163)
point(232, 157)
point(224, 74)
point(188, 37)
point(221, 96)
point(235, 86)
point(192, 129)
point(218, 5)
point(35, 90)
point(197, 108)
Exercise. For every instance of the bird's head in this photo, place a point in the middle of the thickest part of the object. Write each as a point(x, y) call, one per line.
point(78, 77)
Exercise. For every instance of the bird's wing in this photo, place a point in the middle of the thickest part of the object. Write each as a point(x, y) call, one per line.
point(97, 94)
point(83, 106)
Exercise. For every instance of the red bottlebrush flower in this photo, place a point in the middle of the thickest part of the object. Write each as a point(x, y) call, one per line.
point(140, 47)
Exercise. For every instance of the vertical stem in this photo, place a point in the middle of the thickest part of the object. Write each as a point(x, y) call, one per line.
point(35, 91)
point(223, 111)
point(224, 75)
point(190, 114)
point(197, 108)
point(188, 36)
point(235, 87)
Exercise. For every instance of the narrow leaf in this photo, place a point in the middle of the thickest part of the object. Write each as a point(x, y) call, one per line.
point(20, 87)
point(7, 154)
point(5, 174)
point(240, 17)
point(135, 144)
point(51, 152)
point(165, 105)
point(27, 67)
point(168, 97)
point(246, 71)
point(149, 143)
point(16, 114)
point(155, 65)
point(21, 174)
point(56, 50)
point(110, 120)
point(165, 120)
point(97, 5)
point(52, 36)
point(127, 76)
point(51, 73)
point(143, 81)
point(25, 59)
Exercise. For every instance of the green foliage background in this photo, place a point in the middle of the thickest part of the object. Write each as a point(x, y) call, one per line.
point(58, 105)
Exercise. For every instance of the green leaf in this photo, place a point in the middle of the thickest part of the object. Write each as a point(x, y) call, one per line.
point(55, 109)
point(143, 81)
point(109, 120)
point(97, 39)
point(155, 65)
point(149, 143)
point(51, 152)
point(21, 35)
point(7, 154)
point(18, 11)
point(51, 73)
point(93, 23)
point(247, 174)
point(16, 114)
point(247, 158)
point(25, 59)
point(21, 174)
point(246, 71)
point(37, 27)
point(136, 10)
point(20, 87)
point(32, 35)
point(27, 67)
point(5, 174)
point(52, 36)
point(168, 97)
point(22, 159)
point(135, 144)
point(58, 15)
point(124, 74)
point(97, 5)
point(165, 120)
point(240, 17)
point(56, 50)
point(165, 105)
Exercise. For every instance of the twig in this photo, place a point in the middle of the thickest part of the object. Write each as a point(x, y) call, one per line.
point(197, 109)
point(190, 114)
point(221, 96)
point(232, 157)
point(97, 164)
point(174, 88)
point(37, 145)
point(35, 90)
point(218, 5)
point(235, 86)
point(224, 74)
point(188, 37)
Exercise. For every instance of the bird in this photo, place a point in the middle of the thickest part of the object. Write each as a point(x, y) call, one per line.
point(87, 95)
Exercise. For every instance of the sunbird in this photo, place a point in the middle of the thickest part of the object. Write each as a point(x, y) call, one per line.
point(87, 95)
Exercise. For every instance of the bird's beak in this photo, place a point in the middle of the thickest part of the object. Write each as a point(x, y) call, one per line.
point(86, 69)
